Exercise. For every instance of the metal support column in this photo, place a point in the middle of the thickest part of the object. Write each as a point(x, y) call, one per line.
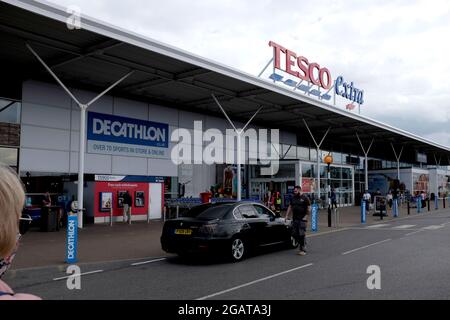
point(366, 166)
point(318, 145)
point(239, 133)
point(83, 107)
point(397, 157)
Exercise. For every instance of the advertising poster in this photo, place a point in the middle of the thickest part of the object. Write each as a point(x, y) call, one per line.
point(106, 199)
point(120, 197)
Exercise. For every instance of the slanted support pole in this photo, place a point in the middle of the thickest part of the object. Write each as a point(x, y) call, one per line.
point(83, 107)
point(239, 133)
point(397, 157)
point(318, 145)
point(366, 166)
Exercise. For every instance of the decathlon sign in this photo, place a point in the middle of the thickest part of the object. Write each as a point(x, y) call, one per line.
point(109, 134)
point(299, 69)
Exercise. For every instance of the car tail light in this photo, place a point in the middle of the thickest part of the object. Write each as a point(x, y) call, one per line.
point(207, 229)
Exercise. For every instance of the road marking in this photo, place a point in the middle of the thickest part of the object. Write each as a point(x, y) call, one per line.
point(80, 274)
point(378, 226)
point(373, 244)
point(433, 227)
point(411, 233)
point(253, 282)
point(404, 226)
point(145, 262)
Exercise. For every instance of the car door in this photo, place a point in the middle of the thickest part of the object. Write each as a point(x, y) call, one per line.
point(274, 229)
point(253, 226)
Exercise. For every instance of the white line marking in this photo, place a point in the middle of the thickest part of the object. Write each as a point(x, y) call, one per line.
point(377, 226)
point(77, 275)
point(373, 244)
point(433, 227)
point(411, 233)
point(145, 262)
point(405, 226)
point(253, 282)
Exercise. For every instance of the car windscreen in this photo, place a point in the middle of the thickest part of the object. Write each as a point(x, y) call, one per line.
point(214, 212)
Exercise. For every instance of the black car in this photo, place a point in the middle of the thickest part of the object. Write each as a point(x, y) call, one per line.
point(231, 229)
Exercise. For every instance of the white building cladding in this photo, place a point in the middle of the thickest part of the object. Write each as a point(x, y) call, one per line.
point(50, 133)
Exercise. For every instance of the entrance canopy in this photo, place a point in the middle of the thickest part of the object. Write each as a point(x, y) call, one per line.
point(98, 54)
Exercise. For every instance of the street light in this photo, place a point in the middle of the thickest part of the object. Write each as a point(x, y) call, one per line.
point(328, 159)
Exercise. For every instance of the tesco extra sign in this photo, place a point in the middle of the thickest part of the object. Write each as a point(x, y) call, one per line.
point(302, 68)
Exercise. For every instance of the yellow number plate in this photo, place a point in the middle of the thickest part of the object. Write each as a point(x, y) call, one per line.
point(183, 231)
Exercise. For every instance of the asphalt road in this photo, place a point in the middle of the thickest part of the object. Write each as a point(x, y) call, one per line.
point(413, 255)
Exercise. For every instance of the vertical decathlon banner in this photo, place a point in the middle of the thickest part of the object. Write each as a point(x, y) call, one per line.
point(109, 134)
point(72, 239)
point(314, 216)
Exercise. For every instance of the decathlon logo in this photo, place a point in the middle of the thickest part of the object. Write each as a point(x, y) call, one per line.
point(103, 127)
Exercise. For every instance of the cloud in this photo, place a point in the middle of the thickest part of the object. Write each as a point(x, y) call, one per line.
point(395, 50)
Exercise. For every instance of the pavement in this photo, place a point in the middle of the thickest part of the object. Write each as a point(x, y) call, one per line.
point(101, 242)
point(412, 254)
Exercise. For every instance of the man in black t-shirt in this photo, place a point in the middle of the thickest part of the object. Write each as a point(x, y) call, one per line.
point(300, 207)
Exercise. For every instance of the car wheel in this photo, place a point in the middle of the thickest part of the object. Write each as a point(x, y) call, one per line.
point(238, 249)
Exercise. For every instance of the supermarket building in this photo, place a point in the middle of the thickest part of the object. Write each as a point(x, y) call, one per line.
point(163, 89)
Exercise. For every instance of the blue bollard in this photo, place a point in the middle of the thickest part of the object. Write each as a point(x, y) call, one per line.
point(395, 208)
point(363, 211)
point(72, 239)
point(436, 203)
point(419, 204)
point(314, 216)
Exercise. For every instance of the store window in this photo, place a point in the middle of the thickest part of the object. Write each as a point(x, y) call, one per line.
point(308, 171)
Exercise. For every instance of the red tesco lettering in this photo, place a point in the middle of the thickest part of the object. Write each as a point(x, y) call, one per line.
point(311, 72)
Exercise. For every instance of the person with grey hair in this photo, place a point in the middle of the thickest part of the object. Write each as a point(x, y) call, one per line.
point(12, 199)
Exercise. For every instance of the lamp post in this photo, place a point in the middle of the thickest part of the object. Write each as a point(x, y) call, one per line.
point(328, 159)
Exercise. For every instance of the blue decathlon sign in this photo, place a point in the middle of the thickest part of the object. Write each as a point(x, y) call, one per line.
point(314, 216)
point(105, 127)
point(72, 239)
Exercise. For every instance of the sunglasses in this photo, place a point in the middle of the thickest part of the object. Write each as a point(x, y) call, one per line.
point(24, 223)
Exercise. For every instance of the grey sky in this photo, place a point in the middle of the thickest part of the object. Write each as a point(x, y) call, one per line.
point(397, 51)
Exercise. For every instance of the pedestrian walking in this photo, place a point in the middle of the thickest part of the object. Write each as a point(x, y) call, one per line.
point(277, 204)
point(333, 198)
point(127, 203)
point(300, 207)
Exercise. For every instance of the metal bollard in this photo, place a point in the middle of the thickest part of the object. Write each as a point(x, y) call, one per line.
point(419, 204)
point(363, 211)
point(110, 217)
point(408, 207)
point(436, 203)
point(395, 208)
point(178, 210)
point(329, 216)
point(443, 202)
point(428, 204)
